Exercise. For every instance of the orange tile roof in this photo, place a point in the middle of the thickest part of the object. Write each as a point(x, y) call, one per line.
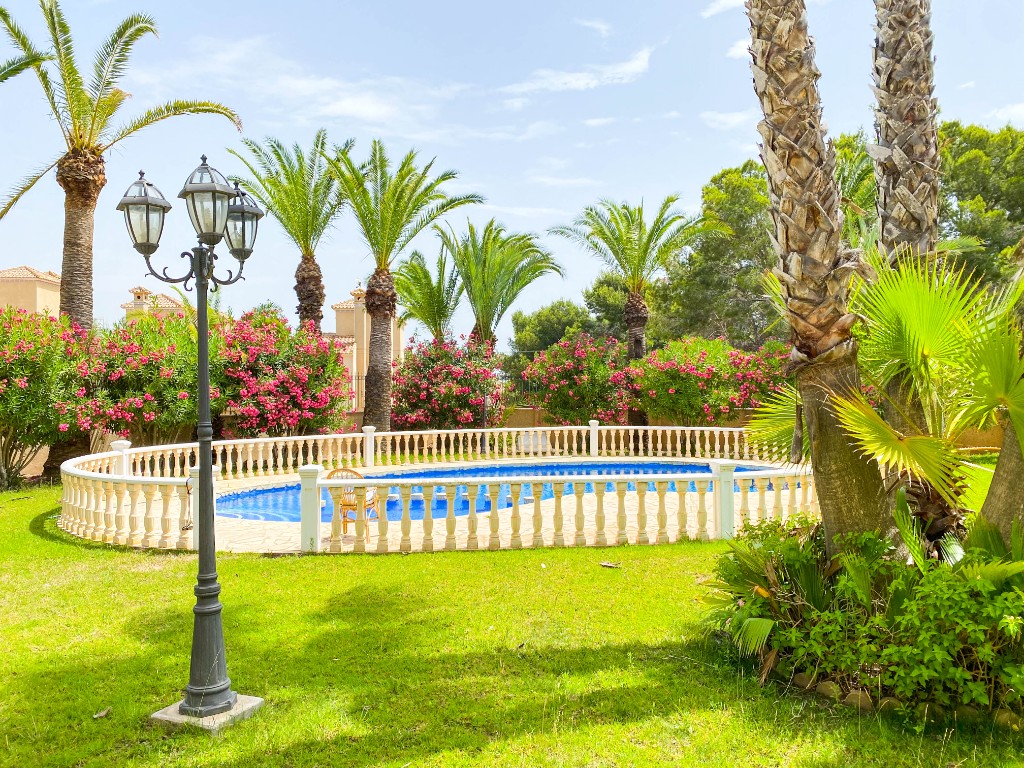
point(159, 300)
point(29, 273)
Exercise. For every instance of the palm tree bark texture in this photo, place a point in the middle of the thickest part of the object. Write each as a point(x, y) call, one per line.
point(814, 272)
point(381, 304)
point(309, 289)
point(81, 176)
point(636, 315)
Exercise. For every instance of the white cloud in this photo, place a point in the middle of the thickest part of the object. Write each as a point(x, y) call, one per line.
point(968, 84)
point(718, 6)
point(738, 50)
point(597, 122)
point(603, 28)
point(1011, 113)
point(594, 76)
point(728, 121)
point(561, 181)
point(516, 104)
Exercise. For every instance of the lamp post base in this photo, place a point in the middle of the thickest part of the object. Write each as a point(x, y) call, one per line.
point(244, 708)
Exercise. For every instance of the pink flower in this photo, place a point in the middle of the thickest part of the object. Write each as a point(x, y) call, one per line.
point(183, 395)
point(63, 427)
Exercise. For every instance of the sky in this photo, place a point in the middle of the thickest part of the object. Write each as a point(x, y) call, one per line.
point(542, 108)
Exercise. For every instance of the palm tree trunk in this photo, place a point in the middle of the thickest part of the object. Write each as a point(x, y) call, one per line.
point(309, 288)
point(907, 154)
point(81, 176)
point(814, 273)
point(1005, 502)
point(636, 315)
point(381, 303)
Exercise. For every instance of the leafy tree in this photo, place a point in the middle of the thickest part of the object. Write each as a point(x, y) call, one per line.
point(716, 290)
point(495, 267)
point(391, 205)
point(604, 300)
point(548, 325)
point(85, 115)
point(296, 189)
point(983, 194)
point(429, 297)
point(814, 272)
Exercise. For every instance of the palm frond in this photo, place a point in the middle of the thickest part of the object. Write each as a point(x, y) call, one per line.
point(24, 186)
point(773, 425)
point(174, 108)
point(986, 537)
point(21, 41)
point(910, 532)
point(752, 635)
point(431, 298)
point(70, 87)
point(110, 65)
point(17, 65)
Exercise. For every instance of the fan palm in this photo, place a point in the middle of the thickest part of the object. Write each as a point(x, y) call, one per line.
point(814, 272)
point(297, 190)
point(392, 205)
point(635, 249)
point(85, 115)
point(495, 267)
point(429, 297)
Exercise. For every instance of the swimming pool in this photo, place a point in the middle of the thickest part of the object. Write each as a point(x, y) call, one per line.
point(281, 503)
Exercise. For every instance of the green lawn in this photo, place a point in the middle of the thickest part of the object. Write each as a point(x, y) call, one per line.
point(533, 658)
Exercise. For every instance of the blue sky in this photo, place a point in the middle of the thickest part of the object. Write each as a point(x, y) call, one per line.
point(543, 107)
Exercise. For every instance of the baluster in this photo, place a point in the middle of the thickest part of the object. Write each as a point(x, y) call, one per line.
point(451, 494)
point(383, 543)
point(84, 527)
point(184, 517)
point(428, 518)
point(406, 495)
point(135, 530)
point(98, 503)
point(662, 489)
point(682, 487)
point(166, 494)
point(335, 544)
point(494, 542)
point(120, 514)
point(580, 539)
point(620, 519)
point(537, 489)
point(804, 506)
point(814, 508)
point(762, 506)
point(149, 538)
point(359, 545)
point(702, 510)
point(641, 514)
point(108, 515)
point(599, 520)
point(559, 490)
point(472, 493)
point(790, 497)
point(744, 501)
point(517, 540)
point(777, 498)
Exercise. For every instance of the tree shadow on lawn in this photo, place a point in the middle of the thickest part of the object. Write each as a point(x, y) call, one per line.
point(368, 676)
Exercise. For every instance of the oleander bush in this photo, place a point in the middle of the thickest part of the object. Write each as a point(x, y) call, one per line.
point(442, 385)
point(580, 379)
point(705, 381)
point(942, 634)
point(40, 358)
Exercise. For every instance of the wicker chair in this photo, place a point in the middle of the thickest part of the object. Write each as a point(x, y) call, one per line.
point(345, 499)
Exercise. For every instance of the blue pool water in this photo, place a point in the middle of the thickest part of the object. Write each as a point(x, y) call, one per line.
point(281, 504)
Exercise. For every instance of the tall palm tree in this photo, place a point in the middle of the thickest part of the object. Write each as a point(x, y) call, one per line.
point(496, 266)
point(85, 115)
point(392, 206)
point(813, 270)
point(297, 190)
point(429, 297)
point(907, 153)
point(619, 235)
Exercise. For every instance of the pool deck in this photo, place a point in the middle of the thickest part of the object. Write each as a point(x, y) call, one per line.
point(235, 535)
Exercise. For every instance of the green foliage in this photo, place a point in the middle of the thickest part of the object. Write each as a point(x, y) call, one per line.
point(855, 172)
point(543, 328)
point(39, 359)
point(429, 297)
point(605, 299)
point(934, 633)
point(714, 289)
point(698, 381)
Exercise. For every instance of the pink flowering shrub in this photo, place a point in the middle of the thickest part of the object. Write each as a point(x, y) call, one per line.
point(281, 383)
point(38, 372)
point(442, 385)
point(143, 378)
point(700, 381)
point(581, 379)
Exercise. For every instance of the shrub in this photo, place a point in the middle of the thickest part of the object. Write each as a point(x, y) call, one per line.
point(39, 358)
point(442, 385)
point(284, 383)
point(581, 379)
point(700, 381)
point(937, 633)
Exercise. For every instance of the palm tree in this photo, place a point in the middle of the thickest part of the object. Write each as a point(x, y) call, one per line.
point(85, 114)
point(430, 299)
point(907, 154)
point(495, 267)
point(619, 235)
point(15, 66)
point(297, 190)
point(813, 271)
point(392, 206)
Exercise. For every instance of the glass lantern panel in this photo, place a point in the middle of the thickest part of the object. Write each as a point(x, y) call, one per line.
point(220, 212)
point(201, 211)
point(235, 231)
point(139, 224)
point(155, 223)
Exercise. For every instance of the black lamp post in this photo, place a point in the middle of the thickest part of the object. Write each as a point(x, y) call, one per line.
point(218, 211)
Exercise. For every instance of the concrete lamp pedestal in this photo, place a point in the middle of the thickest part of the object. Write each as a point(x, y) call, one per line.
point(243, 709)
